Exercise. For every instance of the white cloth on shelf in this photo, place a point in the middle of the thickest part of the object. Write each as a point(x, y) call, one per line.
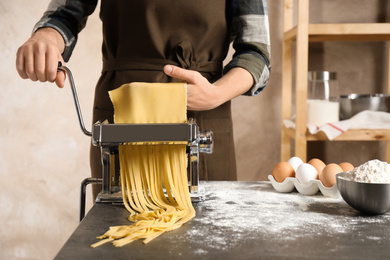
point(363, 120)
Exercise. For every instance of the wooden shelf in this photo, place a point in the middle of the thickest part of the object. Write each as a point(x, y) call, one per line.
point(303, 33)
point(350, 135)
point(343, 32)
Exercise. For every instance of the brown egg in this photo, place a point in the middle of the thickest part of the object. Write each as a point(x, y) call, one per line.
point(346, 166)
point(318, 164)
point(283, 170)
point(328, 174)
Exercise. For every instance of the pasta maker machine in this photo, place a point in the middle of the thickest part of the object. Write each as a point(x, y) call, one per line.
point(109, 136)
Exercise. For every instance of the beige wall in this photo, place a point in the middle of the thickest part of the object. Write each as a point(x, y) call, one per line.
point(44, 155)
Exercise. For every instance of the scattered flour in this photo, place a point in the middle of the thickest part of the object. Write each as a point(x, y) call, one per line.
point(236, 212)
point(373, 171)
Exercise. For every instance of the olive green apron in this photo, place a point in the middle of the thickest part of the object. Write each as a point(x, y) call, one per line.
point(140, 37)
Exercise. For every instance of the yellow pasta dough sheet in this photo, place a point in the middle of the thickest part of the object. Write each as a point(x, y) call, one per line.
point(146, 169)
point(139, 102)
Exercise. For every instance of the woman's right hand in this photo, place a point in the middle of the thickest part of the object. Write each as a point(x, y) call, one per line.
point(38, 57)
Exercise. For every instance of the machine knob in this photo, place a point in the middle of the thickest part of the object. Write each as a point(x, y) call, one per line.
point(206, 144)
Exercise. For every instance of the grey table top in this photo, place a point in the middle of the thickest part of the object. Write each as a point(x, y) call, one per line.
point(245, 220)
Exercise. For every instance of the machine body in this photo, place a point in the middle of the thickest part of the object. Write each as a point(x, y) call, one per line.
point(109, 136)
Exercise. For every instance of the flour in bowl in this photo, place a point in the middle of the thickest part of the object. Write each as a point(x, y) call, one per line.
point(374, 171)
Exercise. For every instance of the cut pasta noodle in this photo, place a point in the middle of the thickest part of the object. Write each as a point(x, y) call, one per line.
point(153, 175)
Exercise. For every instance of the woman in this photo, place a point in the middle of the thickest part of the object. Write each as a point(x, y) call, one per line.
point(163, 41)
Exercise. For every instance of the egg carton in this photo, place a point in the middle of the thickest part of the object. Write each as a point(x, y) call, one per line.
point(310, 188)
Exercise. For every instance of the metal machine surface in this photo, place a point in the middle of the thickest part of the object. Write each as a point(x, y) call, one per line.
point(109, 136)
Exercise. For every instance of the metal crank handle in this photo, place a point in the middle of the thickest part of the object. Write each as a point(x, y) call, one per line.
point(76, 100)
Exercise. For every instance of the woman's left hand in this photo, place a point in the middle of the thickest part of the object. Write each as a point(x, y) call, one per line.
point(202, 95)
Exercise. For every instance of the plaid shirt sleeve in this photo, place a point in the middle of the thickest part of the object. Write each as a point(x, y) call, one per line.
point(68, 17)
point(251, 41)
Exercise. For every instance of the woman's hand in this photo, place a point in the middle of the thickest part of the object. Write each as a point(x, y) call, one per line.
point(37, 59)
point(202, 95)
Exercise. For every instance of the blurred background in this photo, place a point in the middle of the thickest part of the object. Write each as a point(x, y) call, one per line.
point(44, 155)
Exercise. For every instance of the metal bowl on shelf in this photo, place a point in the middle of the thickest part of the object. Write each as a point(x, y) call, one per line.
point(370, 198)
point(352, 104)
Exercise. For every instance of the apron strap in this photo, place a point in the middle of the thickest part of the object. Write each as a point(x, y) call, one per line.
point(183, 54)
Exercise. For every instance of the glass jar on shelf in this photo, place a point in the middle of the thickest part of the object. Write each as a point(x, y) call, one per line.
point(322, 98)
